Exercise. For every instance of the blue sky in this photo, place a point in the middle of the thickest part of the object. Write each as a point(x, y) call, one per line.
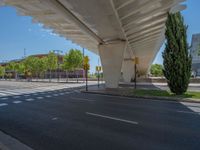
point(192, 19)
point(18, 32)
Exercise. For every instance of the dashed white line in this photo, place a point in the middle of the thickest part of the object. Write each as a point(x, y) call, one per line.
point(55, 118)
point(4, 98)
point(55, 94)
point(17, 102)
point(39, 97)
point(3, 104)
point(112, 118)
point(30, 99)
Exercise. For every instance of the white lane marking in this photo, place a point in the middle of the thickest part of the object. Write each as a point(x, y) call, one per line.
point(16, 96)
point(26, 95)
point(30, 99)
point(82, 99)
point(112, 118)
point(35, 94)
point(48, 96)
point(55, 94)
point(4, 98)
point(3, 104)
point(187, 112)
point(17, 102)
point(39, 97)
point(62, 93)
point(55, 118)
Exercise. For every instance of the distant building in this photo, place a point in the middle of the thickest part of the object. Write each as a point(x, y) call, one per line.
point(195, 52)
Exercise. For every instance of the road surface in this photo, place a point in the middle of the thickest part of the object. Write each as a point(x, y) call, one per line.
point(65, 118)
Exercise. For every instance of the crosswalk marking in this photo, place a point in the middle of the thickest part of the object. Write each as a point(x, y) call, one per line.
point(3, 104)
point(36, 91)
point(29, 99)
point(48, 96)
point(17, 102)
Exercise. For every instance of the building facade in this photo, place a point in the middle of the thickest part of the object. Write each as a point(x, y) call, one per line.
point(195, 52)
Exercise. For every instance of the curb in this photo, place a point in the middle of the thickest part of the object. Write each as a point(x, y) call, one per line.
point(147, 97)
point(9, 143)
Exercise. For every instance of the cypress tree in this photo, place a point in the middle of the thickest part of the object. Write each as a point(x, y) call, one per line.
point(176, 58)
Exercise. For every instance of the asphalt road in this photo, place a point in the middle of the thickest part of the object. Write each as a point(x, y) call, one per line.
point(66, 119)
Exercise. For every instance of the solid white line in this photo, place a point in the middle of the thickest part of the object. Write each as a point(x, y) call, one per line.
point(17, 102)
point(82, 99)
point(112, 118)
point(29, 99)
point(3, 104)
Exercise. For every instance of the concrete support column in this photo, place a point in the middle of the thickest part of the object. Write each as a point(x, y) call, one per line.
point(112, 55)
point(128, 70)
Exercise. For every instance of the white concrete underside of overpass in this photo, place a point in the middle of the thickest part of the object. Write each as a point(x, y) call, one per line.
point(95, 24)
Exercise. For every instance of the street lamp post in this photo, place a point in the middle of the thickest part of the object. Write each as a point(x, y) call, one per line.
point(58, 63)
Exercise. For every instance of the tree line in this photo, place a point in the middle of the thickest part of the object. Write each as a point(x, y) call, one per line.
point(37, 67)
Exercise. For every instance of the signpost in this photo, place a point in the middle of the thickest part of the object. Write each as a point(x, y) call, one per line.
point(86, 67)
point(136, 61)
point(98, 69)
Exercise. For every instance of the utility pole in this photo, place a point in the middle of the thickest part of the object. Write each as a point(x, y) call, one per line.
point(136, 61)
point(83, 63)
point(58, 63)
point(24, 52)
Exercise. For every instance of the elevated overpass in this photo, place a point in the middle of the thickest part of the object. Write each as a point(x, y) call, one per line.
point(117, 30)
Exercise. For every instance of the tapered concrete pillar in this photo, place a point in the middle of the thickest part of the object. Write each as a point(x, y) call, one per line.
point(128, 70)
point(112, 56)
